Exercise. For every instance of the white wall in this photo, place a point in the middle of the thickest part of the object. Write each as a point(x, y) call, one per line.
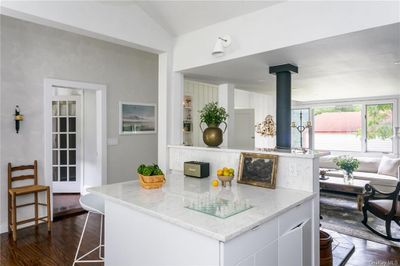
point(282, 25)
point(31, 53)
point(263, 105)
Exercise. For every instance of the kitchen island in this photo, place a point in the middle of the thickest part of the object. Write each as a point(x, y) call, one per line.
point(153, 227)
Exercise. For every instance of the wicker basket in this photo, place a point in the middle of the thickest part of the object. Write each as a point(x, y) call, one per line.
point(151, 182)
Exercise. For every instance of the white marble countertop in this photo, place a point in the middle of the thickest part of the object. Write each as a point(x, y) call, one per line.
point(167, 203)
point(292, 153)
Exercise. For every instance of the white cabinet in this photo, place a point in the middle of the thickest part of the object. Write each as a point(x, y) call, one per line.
point(284, 241)
point(294, 247)
point(267, 256)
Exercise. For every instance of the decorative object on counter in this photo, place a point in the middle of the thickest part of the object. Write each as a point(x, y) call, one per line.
point(150, 176)
point(348, 164)
point(301, 128)
point(18, 118)
point(258, 169)
point(213, 116)
point(196, 169)
point(137, 118)
point(218, 207)
point(267, 129)
point(226, 175)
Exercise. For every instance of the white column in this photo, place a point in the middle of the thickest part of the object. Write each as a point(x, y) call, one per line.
point(162, 117)
point(175, 122)
point(226, 99)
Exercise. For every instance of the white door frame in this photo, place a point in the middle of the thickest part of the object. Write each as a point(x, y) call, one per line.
point(101, 123)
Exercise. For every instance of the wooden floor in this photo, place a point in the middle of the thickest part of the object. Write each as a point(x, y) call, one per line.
point(65, 205)
point(36, 247)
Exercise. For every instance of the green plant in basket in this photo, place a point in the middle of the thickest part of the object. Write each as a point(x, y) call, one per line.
point(347, 163)
point(212, 114)
point(149, 170)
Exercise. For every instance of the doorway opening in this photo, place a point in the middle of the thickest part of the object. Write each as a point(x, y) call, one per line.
point(75, 156)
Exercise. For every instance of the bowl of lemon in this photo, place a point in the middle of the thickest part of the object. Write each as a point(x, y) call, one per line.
point(226, 175)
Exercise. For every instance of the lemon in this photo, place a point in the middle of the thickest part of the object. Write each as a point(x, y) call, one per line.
point(215, 183)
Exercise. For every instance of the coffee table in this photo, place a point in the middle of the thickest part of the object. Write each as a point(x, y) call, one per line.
point(337, 184)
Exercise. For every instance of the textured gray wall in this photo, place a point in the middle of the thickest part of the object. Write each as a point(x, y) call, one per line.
point(31, 53)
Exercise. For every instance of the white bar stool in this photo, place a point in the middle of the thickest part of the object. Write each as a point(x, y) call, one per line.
point(94, 205)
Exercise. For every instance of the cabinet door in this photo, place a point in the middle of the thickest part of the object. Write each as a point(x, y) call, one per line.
point(294, 246)
point(268, 256)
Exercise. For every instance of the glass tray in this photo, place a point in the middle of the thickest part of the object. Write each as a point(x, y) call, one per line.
point(217, 207)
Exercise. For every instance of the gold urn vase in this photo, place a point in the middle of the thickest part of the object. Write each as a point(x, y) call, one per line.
point(213, 134)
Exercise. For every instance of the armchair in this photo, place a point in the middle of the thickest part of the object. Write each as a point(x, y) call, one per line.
point(385, 206)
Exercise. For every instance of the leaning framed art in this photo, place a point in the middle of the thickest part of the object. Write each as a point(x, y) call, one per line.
point(258, 169)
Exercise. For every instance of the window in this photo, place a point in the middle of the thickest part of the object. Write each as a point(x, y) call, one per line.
point(338, 128)
point(300, 117)
point(379, 123)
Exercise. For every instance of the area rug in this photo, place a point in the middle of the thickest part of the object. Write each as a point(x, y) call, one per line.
point(339, 213)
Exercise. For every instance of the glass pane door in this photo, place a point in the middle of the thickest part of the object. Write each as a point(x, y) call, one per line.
point(65, 142)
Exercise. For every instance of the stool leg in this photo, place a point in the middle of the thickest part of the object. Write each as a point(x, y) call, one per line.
point(36, 209)
point(14, 217)
point(80, 240)
point(101, 236)
point(48, 210)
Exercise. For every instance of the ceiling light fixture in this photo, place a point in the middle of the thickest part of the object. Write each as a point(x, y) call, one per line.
point(221, 44)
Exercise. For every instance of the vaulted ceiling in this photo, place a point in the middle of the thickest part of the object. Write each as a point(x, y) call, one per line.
point(179, 17)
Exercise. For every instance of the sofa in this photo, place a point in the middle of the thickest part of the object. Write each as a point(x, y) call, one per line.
point(383, 172)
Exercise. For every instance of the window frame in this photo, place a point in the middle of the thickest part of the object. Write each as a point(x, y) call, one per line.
point(364, 104)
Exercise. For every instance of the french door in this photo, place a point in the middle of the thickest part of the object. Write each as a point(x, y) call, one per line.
point(66, 144)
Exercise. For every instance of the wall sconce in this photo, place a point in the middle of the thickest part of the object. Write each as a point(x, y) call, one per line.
point(18, 118)
point(221, 44)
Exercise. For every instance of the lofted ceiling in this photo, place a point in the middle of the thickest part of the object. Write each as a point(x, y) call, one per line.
point(179, 17)
point(360, 64)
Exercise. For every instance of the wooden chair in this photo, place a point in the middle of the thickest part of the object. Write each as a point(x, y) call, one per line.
point(14, 192)
point(385, 206)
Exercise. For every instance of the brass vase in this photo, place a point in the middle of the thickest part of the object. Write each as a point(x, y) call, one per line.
point(213, 135)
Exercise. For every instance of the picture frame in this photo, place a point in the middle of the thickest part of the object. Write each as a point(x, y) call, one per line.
point(137, 118)
point(258, 169)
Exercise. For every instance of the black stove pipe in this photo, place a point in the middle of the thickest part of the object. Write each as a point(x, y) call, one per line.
point(283, 104)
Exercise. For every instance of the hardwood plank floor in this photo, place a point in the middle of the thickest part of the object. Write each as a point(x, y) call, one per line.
point(36, 247)
point(65, 205)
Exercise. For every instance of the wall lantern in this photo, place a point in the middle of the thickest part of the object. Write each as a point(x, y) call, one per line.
point(18, 118)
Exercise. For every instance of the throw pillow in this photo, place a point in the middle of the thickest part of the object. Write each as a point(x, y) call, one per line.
point(389, 166)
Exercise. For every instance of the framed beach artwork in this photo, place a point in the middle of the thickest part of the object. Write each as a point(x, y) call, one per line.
point(137, 118)
point(258, 169)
